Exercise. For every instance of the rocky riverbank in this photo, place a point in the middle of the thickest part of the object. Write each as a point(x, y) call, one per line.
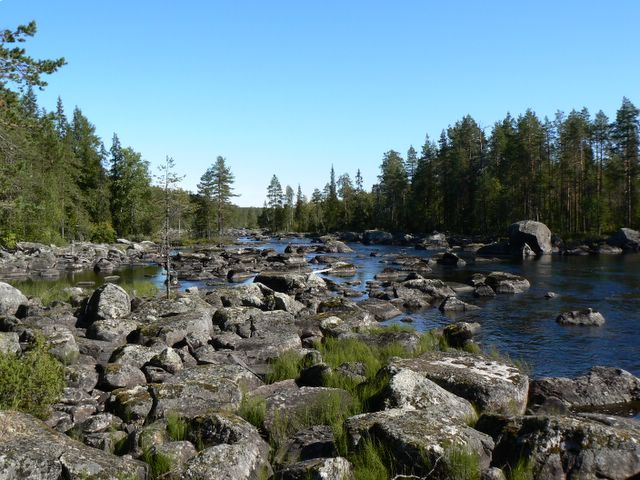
point(289, 378)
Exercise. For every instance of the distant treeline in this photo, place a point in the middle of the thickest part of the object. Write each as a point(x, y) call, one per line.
point(576, 173)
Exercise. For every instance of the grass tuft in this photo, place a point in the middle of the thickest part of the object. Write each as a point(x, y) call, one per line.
point(370, 461)
point(177, 427)
point(285, 367)
point(522, 470)
point(253, 410)
point(462, 464)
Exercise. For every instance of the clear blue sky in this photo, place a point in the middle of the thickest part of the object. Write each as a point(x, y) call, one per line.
point(292, 87)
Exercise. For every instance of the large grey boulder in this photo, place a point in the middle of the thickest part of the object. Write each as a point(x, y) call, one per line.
point(421, 442)
point(9, 342)
point(10, 299)
point(491, 385)
point(534, 234)
point(561, 447)
point(626, 239)
point(29, 449)
point(108, 301)
point(587, 318)
point(317, 469)
point(290, 282)
point(504, 282)
point(407, 388)
point(376, 237)
point(233, 449)
point(601, 386)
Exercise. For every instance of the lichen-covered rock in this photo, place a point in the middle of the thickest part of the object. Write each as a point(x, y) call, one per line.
point(108, 301)
point(407, 388)
point(233, 450)
point(118, 375)
point(203, 389)
point(317, 469)
point(601, 386)
point(586, 317)
point(459, 333)
point(492, 386)
point(560, 447)
point(29, 449)
point(314, 442)
point(454, 304)
point(136, 355)
point(62, 344)
point(10, 299)
point(534, 234)
point(82, 375)
point(432, 287)
point(113, 330)
point(376, 237)
point(131, 404)
point(504, 282)
point(9, 342)
point(168, 359)
point(380, 309)
point(290, 282)
point(421, 441)
point(626, 239)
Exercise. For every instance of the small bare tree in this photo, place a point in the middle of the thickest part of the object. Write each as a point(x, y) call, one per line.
point(169, 180)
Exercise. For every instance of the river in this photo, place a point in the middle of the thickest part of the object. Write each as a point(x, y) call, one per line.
point(522, 326)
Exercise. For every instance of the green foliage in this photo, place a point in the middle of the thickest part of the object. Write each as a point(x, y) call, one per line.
point(47, 292)
point(462, 464)
point(103, 232)
point(431, 342)
point(253, 410)
point(177, 427)
point(370, 461)
point(286, 366)
point(159, 464)
point(9, 241)
point(32, 382)
point(522, 470)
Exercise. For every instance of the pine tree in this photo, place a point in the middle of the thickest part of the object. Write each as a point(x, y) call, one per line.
point(626, 143)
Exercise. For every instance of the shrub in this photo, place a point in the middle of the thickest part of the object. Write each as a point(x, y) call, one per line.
point(32, 382)
point(103, 232)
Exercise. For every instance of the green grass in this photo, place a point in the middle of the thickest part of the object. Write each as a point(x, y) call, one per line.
point(32, 382)
point(285, 367)
point(177, 427)
point(159, 464)
point(522, 470)
point(370, 461)
point(140, 289)
point(520, 364)
point(46, 291)
point(253, 410)
point(462, 464)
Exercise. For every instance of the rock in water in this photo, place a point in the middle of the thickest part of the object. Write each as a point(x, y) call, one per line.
point(536, 235)
point(626, 239)
point(108, 301)
point(586, 317)
point(10, 299)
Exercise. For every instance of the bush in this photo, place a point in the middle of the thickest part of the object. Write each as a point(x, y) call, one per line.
point(9, 241)
point(103, 232)
point(32, 382)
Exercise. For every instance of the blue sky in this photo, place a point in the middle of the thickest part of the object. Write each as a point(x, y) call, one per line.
point(292, 87)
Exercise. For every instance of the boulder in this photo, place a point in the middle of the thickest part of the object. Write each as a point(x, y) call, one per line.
point(112, 330)
point(10, 299)
point(559, 447)
point(534, 234)
point(492, 386)
point(108, 301)
point(380, 309)
point(118, 375)
point(30, 449)
point(504, 282)
point(450, 258)
point(459, 333)
point(626, 239)
point(587, 318)
point(377, 237)
point(9, 343)
point(62, 344)
point(289, 282)
point(601, 386)
point(233, 449)
point(131, 405)
point(317, 469)
point(454, 304)
point(421, 442)
point(313, 442)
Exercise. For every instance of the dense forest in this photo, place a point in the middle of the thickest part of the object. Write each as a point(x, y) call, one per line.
point(577, 173)
point(59, 182)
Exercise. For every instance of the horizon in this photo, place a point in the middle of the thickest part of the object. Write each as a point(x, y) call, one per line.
point(271, 87)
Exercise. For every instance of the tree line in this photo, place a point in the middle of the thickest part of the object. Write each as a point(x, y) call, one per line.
point(59, 182)
point(577, 173)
